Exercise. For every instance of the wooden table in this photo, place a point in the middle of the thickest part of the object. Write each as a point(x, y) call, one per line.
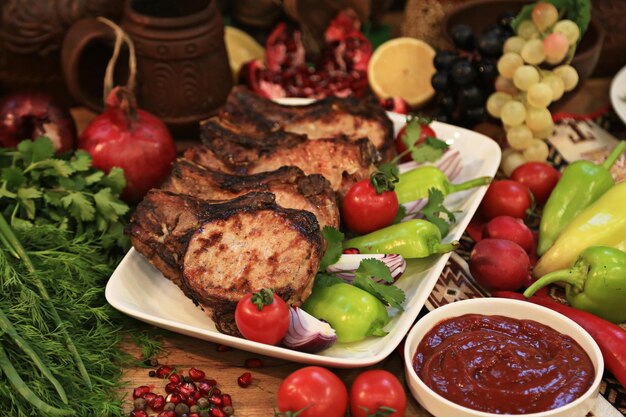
point(259, 399)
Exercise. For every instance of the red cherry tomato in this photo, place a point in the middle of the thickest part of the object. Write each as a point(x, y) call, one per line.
point(506, 198)
point(364, 210)
point(267, 325)
point(539, 177)
point(374, 389)
point(314, 387)
point(425, 132)
point(509, 228)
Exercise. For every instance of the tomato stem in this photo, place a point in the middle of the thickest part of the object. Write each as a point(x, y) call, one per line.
point(262, 298)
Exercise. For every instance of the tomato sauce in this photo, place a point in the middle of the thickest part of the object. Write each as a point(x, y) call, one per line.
point(502, 365)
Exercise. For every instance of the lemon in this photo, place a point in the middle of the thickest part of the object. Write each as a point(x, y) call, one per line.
point(403, 67)
point(241, 48)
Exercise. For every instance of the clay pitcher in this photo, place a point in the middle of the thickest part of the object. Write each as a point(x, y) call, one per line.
point(183, 73)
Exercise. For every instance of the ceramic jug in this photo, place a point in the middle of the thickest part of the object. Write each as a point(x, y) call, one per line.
point(183, 73)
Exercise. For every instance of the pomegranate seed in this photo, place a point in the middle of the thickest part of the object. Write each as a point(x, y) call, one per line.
point(194, 415)
point(170, 387)
point(216, 391)
point(175, 378)
point(168, 413)
point(140, 391)
point(186, 389)
point(138, 413)
point(252, 363)
point(157, 403)
point(217, 412)
point(197, 395)
point(164, 371)
point(190, 401)
point(205, 385)
point(216, 400)
point(226, 400)
point(196, 374)
point(173, 398)
point(149, 396)
point(245, 380)
point(223, 348)
point(351, 251)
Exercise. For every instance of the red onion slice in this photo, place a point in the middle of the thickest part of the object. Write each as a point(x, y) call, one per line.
point(450, 164)
point(345, 267)
point(307, 333)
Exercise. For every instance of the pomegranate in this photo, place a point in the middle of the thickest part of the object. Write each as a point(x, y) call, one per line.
point(30, 115)
point(132, 139)
point(164, 371)
point(339, 71)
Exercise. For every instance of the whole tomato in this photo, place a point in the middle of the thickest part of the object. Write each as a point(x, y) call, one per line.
point(364, 210)
point(374, 389)
point(424, 131)
point(262, 317)
point(539, 177)
point(506, 198)
point(314, 387)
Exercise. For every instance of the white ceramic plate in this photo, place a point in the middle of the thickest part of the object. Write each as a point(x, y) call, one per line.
point(138, 289)
point(618, 94)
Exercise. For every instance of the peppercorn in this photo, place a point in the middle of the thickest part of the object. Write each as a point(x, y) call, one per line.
point(194, 409)
point(140, 404)
point(181, 408)
point(229, 410)
point(203, 402)
point(169, 407)
point(152, 374)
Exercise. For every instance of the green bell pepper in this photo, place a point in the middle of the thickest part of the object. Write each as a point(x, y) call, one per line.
point(414, 184)
point(582, 183)
point(353, 313)
point(416, 238)
point(596, 283)
point(603, 223)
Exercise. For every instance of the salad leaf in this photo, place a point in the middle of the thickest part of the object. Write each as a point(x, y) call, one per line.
point(388, 294)
point(429, 151)
point(39, 188)
point(435, 208)
point(334, 248)
point(578, 11)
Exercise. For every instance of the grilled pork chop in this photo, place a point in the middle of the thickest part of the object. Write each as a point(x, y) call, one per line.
point(327, 118)
point(341, 161)
point(218, 252)
point(292, 188)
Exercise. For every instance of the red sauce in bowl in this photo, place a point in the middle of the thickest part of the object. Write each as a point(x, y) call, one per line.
point(502, 365)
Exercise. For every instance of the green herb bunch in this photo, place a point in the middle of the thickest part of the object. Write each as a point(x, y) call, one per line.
point(74, 271)
point(39, 188)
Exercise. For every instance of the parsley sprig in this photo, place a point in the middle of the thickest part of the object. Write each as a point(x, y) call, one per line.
point(39, 188)
point(365, 275)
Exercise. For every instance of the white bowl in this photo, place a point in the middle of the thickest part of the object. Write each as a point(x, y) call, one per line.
point(441, 407)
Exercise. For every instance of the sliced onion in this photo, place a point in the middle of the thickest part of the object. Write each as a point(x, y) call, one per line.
point(349, 263)
point(450, 164)
point(308, 334)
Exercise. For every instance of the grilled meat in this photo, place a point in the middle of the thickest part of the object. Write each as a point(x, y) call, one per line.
point(327, 118)
point(219, 251)
point(341, 161)
point(292, 188)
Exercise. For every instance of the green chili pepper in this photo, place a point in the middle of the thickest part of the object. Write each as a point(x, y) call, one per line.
point(411, 239)
point(596, 283)
point(353, 313)
point(581, 184)
point(603, 223)
point(414, 184)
